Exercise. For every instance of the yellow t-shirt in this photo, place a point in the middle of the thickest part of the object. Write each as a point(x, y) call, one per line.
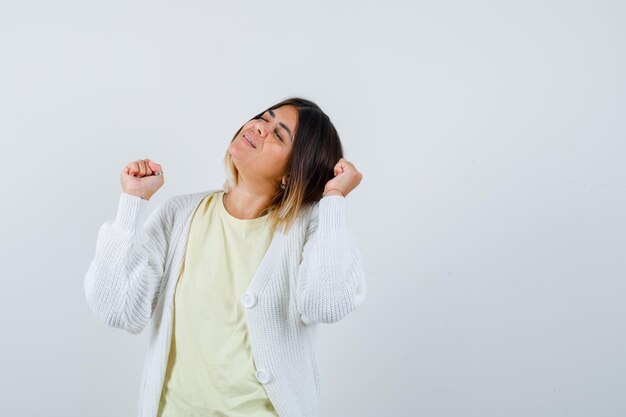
point(210, 370)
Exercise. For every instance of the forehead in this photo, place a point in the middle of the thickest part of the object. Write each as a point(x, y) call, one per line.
point(285, 113)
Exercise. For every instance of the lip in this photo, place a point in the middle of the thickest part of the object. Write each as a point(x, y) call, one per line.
point(251, 139)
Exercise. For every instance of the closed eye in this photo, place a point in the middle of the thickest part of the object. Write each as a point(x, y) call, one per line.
point(275, 131)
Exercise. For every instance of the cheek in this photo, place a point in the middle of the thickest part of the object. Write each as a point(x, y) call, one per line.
point(285, 155)
point(280, 156)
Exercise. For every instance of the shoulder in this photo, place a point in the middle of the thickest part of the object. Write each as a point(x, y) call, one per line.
point(183, 204)
point(329, 212)
point(185, 200)
point(309, 217)
point(314, 211)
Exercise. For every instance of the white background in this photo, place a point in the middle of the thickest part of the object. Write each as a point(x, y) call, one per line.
point(491, 138)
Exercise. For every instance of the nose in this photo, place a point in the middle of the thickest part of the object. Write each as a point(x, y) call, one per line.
point(260, 128)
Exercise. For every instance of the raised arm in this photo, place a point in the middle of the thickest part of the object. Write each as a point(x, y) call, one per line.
point(123, 279)
point(331, 278)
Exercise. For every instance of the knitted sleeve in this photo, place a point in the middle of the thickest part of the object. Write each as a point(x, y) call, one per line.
point(123, 280)
point(331, 278)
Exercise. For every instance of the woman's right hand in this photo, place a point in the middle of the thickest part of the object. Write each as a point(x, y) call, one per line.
point(138, 178)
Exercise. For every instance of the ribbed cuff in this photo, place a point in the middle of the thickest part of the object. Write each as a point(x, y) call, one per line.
point(332, 212)
point(129, 211)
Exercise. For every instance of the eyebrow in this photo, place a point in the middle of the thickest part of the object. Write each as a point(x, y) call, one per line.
point(284, 126)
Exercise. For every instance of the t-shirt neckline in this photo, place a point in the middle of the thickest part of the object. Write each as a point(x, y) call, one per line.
point(234, 220)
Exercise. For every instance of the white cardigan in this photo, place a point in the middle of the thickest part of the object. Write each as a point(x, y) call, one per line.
point(313, 274)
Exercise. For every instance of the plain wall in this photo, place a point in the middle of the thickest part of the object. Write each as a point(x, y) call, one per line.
point(491, 138)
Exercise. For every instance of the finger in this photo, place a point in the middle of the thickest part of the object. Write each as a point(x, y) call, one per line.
point(348, 166)
point(147, 166)
point(137, 168)
point(134, 168)
point(142, 167)
point(154, 166)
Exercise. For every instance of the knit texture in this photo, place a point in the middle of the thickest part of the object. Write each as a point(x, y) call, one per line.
point(313, 274)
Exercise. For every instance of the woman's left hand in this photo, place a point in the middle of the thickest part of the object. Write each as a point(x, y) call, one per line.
point(347, 178)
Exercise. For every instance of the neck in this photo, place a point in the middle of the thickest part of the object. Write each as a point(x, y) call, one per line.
point(246, 202)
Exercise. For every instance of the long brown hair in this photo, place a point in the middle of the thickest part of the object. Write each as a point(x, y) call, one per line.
point(315, 152)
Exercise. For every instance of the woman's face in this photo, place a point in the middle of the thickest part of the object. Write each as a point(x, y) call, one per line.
point(267, 158)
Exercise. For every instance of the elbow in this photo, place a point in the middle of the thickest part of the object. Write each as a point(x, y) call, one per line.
point(313, 316)
point(113, 317)
point(127, 321)
point(328, 292)
point(327, 312)
point(136, 329)
point(329, 308)
point(121, 321)
point(134, 321)
point(333, 315)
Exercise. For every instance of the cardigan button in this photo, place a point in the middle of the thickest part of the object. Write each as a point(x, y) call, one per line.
point(248, 299)
point(263, 376)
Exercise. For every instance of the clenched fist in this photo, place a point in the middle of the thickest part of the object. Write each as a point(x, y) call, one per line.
point(142, 178)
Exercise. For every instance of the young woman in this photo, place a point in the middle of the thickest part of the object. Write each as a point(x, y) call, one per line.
point(237, 279)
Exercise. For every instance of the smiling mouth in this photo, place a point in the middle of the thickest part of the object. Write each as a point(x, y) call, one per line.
point(245, 137)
